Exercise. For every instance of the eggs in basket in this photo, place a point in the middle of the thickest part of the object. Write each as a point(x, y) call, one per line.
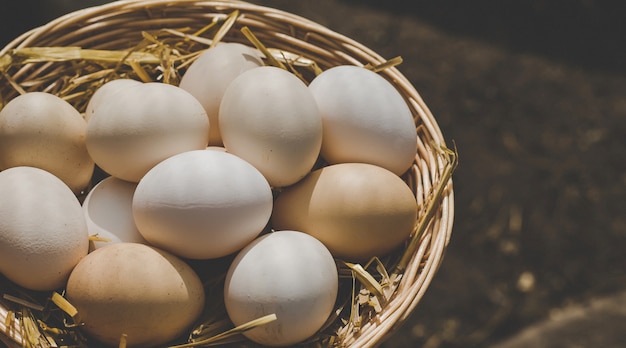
point(242, 198)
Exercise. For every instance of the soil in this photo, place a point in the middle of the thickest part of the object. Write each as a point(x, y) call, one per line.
point(532, 93)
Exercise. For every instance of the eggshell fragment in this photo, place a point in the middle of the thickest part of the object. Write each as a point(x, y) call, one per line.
point(202, 204)
point(41, 130)
point(148, 294)
point(286, 273)
point(210, 74)
point(131, 132)
point(108, 211)
point(269, 118)
point(365, 119)
point(43, 233)
point(357, 210)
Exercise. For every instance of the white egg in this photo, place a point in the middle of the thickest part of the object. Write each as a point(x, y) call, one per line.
point(202, 204)
point(365, 119)
point(210, 74)
point(104, 92)
point(269, 118)
point(286, 273)
point(131, 132)
point(108, 211)
point(43, 233)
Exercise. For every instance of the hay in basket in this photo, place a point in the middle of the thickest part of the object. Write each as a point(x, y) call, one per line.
point(155, 40)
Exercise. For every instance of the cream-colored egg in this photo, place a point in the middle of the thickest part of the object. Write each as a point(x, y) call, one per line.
point(357, 210)
point(150, 295)
point(286, 273)
point(269, 118)
point(365, 119)
point(131, 132)
point(42, 130)
point(43, 233)
point(104, 92)
point(108, 211)
point(210, 74)
point(202, 204)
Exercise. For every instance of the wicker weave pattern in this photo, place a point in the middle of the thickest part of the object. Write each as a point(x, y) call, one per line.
point(117, 25)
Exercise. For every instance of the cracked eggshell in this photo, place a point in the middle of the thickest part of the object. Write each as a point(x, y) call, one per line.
point(210, 74)
point(269, 118)
point(42, 130)
point(43, 233)
point(365, 119)
point(202, 204)
point(130, 132)
point(286, 273)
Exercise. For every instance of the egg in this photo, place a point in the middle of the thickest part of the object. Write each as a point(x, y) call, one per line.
point(130, 132)
point(210, 74)
point(286, 273)
point(365, 119)
point(269, 118)
point(104, 92)
point(108, 210)
point(43, 233)
point(357, 210)
point(42, 130)
point(148, 294)
point(202, 204)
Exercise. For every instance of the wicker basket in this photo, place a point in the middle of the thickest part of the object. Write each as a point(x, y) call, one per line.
point(118, 26)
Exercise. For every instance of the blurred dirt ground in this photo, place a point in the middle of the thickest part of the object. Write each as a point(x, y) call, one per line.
point(533, 94)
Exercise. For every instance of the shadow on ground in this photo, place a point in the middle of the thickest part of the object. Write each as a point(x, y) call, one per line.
point(581, 32)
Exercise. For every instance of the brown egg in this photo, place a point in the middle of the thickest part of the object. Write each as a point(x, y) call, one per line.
point(129, 288)
point(42, 130)
point(357, 210)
